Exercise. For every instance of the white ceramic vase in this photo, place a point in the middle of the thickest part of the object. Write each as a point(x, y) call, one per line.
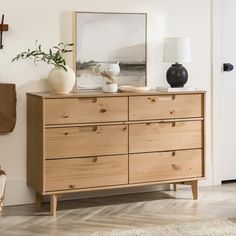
point(109, 88)
point(61, 81)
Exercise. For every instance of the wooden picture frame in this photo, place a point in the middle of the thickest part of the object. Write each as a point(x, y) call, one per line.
point(128, 47)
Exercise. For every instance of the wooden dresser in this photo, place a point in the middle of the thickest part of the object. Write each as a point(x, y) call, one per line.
point(94, 140)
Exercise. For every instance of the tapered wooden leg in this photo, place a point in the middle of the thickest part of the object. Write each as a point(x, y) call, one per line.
point(175, 187)
point(53, 205)
point(194, 185)
point(38, 199)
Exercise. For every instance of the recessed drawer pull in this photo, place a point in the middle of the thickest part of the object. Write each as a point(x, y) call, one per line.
point(66, 133)
point(173, 153)
point(71, 186)
point(172, 123)
point(88, 129)
point(172, 112)
point(93, 100)
point(166, 97)
point(95, 159)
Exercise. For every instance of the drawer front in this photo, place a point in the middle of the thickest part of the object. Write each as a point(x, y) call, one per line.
point(86, 172)
point(153, 137)
point(165, 106)
point(84, 110)
point(86, 141)
point(148, 167)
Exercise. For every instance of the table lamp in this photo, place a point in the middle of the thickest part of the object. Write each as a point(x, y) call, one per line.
point(177, 50)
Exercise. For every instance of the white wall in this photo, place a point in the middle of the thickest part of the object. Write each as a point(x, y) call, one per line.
point(50, 22)
point(216, 74)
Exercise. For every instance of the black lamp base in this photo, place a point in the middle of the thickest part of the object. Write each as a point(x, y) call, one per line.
point(177, 76)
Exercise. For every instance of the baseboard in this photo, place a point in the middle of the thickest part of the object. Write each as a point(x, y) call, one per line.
point(18, 193)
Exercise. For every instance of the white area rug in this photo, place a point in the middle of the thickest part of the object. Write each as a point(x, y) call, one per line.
point(211, 227)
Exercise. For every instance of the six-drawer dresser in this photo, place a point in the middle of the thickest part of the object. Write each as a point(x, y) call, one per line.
point(93, 140)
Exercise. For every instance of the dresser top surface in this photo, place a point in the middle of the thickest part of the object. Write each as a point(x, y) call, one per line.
point(97, 93)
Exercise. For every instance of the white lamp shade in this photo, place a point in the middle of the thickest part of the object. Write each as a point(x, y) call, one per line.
point(177, 50)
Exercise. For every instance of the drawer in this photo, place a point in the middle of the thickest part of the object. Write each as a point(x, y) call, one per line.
point(165, 106)
point(86, 141)
point(151, 137)
point(159, 166)
point(86, 172)
point(85, 110)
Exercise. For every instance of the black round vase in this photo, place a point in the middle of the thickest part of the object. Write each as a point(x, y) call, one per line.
point(177, 76)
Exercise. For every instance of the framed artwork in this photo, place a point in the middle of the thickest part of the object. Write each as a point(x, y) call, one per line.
point(110, 38)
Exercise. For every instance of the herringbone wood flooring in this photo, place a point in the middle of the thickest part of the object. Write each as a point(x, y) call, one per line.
point(85, 216)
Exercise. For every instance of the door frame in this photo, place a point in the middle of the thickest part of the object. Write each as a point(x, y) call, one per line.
point(215, 84)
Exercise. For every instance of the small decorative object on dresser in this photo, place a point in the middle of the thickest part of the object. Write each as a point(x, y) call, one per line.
point(2, 188)
point(178, 89)
point(177, 50)
point(61, 78)
point(130, 88)
point(95, 140)
point(109, 71)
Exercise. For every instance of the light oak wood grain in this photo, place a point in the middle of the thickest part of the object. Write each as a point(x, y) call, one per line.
point(194, 186)
point(158, 166)
point(35, 144)
point(89, 94)
point(85, 110)
point(121, 186)
point(53, 205)
point(175, 187)
point(165, 107)
point(151, 137)
point(76, 141)
point(38, 199)
point(86, 172)
point(86, 141)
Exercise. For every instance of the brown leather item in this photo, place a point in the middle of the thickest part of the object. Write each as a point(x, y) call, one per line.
point(7, 107)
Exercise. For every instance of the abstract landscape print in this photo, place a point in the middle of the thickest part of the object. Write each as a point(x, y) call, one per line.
point(111, 38)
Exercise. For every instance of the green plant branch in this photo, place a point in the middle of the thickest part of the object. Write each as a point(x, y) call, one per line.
point(55, 56)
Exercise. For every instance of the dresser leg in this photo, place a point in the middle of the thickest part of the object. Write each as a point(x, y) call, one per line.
point(38, 199)
point(175, 187)
point(53, 205)
point(194, 185)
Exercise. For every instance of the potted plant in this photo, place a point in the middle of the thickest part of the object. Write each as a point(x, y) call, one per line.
point(61, 78)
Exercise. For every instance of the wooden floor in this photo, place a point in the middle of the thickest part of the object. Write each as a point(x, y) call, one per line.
point(83, 217)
